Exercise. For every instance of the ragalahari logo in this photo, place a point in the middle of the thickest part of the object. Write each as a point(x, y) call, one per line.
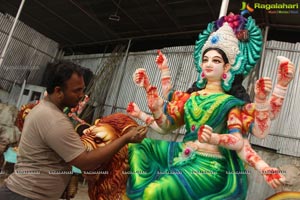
point(270, 8)
point(246, 8)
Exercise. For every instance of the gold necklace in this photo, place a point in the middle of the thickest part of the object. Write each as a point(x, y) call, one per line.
point(213, 88)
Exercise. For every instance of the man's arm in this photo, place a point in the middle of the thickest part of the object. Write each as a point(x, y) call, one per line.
point(94, 159)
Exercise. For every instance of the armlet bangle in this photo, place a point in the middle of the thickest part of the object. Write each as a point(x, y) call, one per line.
point(280, 91)
point(165, 73)
point(261, 106)
point(234, 130)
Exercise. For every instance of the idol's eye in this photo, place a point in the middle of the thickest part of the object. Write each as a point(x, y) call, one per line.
point(98, 140)
point(216, 61)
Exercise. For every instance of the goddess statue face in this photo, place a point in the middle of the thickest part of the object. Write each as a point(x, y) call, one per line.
point(213, 65)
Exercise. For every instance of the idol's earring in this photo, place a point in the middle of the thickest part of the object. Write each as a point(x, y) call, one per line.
point(226, 73)
point(202, 75)
point(201, 82)
point(227, 79)
point(224, 76)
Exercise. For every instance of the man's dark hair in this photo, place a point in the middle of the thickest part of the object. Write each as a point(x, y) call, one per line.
point(59, 72)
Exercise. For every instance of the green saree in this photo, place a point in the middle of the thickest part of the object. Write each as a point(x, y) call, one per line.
point(171, 170)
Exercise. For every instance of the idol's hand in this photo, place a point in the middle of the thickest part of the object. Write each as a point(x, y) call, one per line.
point(263, 88)
point(286, 71)
point(154, 101)
point(133, 110)
point(205, 133)
point(273, 177)
point(162, 64)
point(141, 78)
point(161, 60)
point(82, 104)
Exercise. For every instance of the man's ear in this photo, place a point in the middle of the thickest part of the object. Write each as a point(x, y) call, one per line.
point(227, 67)
point(58, 91)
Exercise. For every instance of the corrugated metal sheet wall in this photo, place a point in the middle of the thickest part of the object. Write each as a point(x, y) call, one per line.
point(27, 54)
point(181, 66)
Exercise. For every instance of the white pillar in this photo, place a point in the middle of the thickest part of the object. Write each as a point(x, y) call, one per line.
point(21, 94)
point(11, 32)
point(224, 8)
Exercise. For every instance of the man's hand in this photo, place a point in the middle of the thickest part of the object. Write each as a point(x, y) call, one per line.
point(136, 134)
